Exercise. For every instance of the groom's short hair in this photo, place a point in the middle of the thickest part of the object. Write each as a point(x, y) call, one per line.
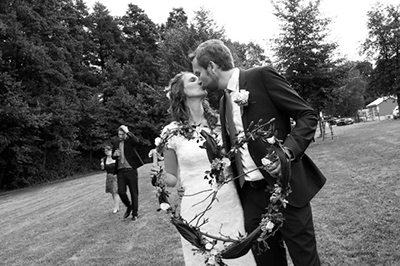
point(213, 50)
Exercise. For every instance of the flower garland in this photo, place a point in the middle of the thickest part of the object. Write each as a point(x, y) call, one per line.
point(217, 176)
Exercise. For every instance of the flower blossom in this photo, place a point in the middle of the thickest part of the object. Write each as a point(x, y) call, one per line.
point(164, 206)
point(209, 246)
point(157, 141)
point(215, 186)
point(241, 98)
point(266, 162)
point(211, 260)
point(271, 140)
point(270, 225)
point(241, 135)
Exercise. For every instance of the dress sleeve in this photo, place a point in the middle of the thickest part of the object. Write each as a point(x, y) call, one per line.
point(166, 132)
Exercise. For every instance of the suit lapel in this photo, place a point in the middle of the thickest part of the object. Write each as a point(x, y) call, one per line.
point(242, 86)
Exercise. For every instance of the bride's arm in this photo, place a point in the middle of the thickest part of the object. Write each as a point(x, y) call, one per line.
point(171, 167)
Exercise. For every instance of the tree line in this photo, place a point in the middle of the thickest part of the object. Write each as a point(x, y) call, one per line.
point(69, 77)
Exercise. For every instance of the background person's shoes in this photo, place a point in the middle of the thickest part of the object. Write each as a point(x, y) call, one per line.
point(128, 212)
point(115, 211)
point(134, 218)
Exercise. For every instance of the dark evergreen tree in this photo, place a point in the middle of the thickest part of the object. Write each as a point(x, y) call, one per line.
point(37, 50)
point(140, 45)
point(105, 36)
point(305, 56)
point(347, 99)
point(176, 42)
point(205, 26)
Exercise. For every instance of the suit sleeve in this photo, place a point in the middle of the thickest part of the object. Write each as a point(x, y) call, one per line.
point(133, 137)
point(290, 104)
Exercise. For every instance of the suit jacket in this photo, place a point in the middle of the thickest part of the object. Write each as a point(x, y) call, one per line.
point(130, 152)
point(270, 96)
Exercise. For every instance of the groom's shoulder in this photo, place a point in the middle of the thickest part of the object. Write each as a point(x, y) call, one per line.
point(267, 69)
point(260, 71)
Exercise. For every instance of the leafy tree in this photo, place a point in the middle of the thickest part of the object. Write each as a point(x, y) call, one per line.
point(206, 27)
point(383, 45)
point(346, 100)
point(179, 39)
point(365, 69)
point(144, 114)
point(19, 130)
point(69, 79)
point(140, 44)
point(124, 101)
point(304, 54)
point(86, 77)
point(104, 34)
point(39, 55)
point(247, 55)
point(177, 18)
point(176, 42)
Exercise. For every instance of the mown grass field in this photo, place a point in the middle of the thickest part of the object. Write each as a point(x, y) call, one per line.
point(356, 214)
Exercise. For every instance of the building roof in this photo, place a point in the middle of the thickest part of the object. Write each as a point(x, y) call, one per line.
point(380, 100)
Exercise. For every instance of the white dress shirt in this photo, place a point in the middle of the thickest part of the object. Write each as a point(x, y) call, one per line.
point(247, 161)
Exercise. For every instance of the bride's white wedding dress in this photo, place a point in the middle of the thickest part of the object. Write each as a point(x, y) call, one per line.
point(225, 216)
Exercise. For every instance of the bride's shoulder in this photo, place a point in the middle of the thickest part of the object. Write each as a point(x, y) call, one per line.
point(171, 126)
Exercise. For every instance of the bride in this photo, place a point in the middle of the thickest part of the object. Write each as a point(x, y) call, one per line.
point(185, 160)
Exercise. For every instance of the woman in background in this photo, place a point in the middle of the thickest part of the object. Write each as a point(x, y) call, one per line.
point(108, 164)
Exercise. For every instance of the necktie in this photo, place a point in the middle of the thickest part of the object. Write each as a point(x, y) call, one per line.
point(232, 135)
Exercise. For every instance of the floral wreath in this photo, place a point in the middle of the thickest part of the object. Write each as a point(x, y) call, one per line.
point(271, 220)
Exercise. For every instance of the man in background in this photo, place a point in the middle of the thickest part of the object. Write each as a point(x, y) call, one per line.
point(127, 161)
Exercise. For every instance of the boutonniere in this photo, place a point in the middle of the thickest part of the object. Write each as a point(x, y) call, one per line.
point(241, 98)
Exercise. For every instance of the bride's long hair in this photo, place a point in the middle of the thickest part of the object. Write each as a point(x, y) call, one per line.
point(178, 109)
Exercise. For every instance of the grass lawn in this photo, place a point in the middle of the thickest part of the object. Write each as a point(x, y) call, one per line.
point(356, 214)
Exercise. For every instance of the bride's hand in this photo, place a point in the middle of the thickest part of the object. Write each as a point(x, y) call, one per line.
point(154, 171)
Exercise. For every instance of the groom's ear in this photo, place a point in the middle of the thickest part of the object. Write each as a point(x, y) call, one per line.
point(212, 66)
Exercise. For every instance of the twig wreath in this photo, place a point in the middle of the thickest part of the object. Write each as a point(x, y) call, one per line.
point(271, 220)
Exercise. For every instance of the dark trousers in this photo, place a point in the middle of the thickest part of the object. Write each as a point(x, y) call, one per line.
point(299, 235)
point(297, 231)
point(129, 178)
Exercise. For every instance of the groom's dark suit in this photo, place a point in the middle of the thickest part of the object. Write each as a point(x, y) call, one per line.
point(270, 96)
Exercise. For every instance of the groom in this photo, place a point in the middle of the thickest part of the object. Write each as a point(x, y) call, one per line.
point(270, 96)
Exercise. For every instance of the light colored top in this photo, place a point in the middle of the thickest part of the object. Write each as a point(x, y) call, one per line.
point(123, 163)
point(247, 161)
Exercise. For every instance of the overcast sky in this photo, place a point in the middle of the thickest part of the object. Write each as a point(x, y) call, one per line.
point(252, 20)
